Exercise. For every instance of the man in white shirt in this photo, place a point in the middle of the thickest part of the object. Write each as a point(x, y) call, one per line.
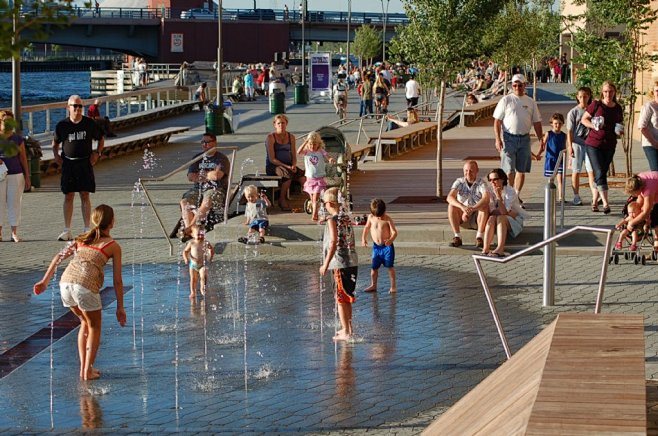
point(514, 116)
point(340, 94)
point(468, 204)
point(412, 92)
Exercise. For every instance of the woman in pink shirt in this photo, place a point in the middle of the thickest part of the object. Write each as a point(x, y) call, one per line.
point(644, 186)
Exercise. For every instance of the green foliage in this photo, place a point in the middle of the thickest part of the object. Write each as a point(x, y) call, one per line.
point(19, 16)
point(9, 148)
point(367, 42)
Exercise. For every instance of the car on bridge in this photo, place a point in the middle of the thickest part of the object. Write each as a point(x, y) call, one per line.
point(199, 14)
point(257, 14)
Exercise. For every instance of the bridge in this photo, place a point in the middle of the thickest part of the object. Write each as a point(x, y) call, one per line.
point(248, 36)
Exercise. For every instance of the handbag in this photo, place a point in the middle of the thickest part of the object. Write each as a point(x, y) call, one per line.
point(582, 131)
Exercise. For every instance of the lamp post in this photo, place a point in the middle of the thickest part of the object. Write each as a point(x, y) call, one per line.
point(220, 96)
point(303, 43)
point(385, 12)
point(349, 21)
point(16, 77)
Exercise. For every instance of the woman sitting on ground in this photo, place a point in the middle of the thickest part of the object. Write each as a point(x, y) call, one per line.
point(394, 123)
point(505, 216)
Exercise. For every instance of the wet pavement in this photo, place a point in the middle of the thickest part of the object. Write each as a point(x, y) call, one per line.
point(256, 355)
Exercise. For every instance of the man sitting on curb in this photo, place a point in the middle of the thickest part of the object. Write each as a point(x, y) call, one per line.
point(468, 204)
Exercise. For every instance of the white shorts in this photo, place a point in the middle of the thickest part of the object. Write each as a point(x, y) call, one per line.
point(76, 295)
point(580, 157)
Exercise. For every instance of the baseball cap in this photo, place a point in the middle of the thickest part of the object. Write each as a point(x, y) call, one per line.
point(518, 78)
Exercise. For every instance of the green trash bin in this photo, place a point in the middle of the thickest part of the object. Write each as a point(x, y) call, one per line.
point(277, 102)
point(301, 93)
point(34, 154)
point(214, 120)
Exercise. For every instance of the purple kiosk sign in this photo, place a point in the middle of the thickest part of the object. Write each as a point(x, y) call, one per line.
point(320, 71)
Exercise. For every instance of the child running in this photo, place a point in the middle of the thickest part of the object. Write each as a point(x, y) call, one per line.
point(256, 213)
point(198, 253)
point(314, 158)
point(383, 233)
point(82, 280)
point(339, 253)
point(633, 209)
point(556, 141)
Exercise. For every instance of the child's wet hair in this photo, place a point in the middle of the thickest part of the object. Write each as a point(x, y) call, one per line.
point(377, 207)
point(250, 189)
point(557, 117)
point(102, 217)
point(330, 195)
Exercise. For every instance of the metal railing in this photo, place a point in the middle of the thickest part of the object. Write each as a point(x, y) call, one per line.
point(549, 229)
point(478, 258)
point(185, 166)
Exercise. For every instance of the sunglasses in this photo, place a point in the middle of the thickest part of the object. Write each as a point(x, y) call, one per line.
point(76, 106)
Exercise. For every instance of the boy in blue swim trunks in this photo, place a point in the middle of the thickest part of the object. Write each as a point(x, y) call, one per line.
point(197, 254)
point(383, 233)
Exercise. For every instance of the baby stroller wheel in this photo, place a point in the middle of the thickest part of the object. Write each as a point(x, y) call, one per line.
point(308, 206)
point(636, 259)
point(654, 256)
point(644, 260)
point(616, 259)
point(611, 259)
point(626, 256)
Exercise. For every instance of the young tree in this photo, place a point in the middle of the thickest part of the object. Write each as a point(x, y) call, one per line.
point(441, 36)
point(620, 59)
point(367, 42)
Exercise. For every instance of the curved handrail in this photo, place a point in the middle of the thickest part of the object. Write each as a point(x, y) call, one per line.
point(186, 165)
point(477, 258)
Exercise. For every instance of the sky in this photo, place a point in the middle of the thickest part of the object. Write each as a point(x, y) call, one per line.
point(394, 6)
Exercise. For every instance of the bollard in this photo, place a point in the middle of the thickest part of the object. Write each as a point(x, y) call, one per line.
point(549, 249)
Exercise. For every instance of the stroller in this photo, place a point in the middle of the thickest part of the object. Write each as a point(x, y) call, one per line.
point(630, 251)
point(336, 174)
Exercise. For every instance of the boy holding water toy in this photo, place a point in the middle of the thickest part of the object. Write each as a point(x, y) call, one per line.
point(197, 254)
point(82, 280)
point(339, 251)
point(255, 213)
point(383, 233)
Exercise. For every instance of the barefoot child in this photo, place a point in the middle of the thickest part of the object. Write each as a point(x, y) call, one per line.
point(81, 282)
point(634, 210)
point(256, 212)
point(383, 233)
point(556, 141)
point(339, 254)
point(314, 157)
point(198, 253)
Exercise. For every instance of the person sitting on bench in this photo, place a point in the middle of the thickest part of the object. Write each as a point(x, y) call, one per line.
point(207, 196)
point(94, 113)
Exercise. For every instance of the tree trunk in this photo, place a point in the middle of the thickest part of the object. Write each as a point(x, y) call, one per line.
point(439, 141)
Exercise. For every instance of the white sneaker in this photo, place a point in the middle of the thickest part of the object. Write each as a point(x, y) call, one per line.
point(576, 200)
point(65, 236)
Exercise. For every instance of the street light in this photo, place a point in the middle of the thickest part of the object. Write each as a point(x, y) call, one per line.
point(349, 21)
point(220, 98)
point(303, 4)
point(385, 12)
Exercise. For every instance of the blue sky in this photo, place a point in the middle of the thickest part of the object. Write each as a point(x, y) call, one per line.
point(319, 5)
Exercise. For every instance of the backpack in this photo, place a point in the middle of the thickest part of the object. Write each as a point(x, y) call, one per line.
point(359, 89)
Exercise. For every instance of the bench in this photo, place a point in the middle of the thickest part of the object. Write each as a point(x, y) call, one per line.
point(405, 138)
point(270, 183)
point(478, 111)
point(126, 144)
point(138, 118)
point(583, 374)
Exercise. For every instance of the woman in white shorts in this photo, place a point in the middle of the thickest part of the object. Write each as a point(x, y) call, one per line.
point(81, 282)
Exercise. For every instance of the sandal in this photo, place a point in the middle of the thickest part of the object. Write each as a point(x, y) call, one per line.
point(606, 210)
point(595, 208)
point(496, 255)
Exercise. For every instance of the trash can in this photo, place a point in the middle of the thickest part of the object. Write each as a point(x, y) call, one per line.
point(214, 120)
point(34, 155)
point(277, 102)
point(301, 93)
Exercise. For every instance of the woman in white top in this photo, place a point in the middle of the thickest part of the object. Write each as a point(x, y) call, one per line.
point(506, 215)
point(648, 125)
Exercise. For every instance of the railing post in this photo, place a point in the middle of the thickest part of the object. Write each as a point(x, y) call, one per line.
point(549, 249)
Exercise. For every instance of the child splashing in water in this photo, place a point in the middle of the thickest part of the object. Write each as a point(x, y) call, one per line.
point(314, 158)
point(339, 252)
point(81, 282)
point(198, 253)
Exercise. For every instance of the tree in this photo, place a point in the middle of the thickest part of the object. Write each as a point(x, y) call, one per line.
point(439, 39)
point(367, 42)
point(619, 60)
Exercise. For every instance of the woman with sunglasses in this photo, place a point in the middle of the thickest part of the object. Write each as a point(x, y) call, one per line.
point(506, 215)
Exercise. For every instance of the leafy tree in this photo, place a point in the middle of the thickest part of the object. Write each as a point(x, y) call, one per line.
point(367, 42)
point(440, 38)
point(619, 60)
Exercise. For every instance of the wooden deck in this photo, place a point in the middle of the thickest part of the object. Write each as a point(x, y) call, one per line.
point(582, 375)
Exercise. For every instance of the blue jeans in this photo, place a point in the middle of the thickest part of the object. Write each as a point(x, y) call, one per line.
point(652, 157)
point(600, 158)
point(365, 107)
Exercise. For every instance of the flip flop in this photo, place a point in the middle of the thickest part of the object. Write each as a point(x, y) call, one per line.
point(595, 208)
point(496, 255)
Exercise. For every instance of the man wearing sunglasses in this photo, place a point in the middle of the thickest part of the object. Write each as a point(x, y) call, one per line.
point(76, 134)
point(514, 116)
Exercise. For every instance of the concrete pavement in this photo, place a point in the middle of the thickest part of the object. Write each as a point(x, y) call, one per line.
point(257, 355)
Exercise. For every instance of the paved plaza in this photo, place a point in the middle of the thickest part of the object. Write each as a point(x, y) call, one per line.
point(256, 355)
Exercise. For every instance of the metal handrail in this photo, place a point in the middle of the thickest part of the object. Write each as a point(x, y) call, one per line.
point(186, 165)
point(561, 161)
point(477, 258)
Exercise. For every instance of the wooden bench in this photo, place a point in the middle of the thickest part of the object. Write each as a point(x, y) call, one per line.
point(583, 374)
point(479, 111)
point(400, 140)
point(270, 183)
point(138, 118)
point(122, 145)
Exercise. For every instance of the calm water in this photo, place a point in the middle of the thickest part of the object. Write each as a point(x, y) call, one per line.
point(39, 88)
